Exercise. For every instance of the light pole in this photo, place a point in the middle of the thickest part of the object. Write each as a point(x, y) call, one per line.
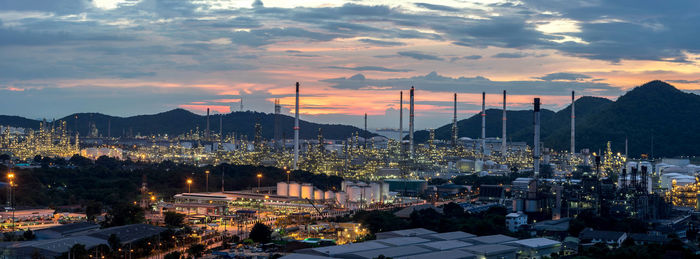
point(11, 178)
point(189, 185)
point(207, 184)
point(259, 178)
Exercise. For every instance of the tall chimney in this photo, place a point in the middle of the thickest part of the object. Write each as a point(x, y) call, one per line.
point(483, 124)
point(365, 133)
point(206, 134)
point(536, 150)
point(410, 124)
point(221, 130)
point(454, 124)
point(573, 124)
point(504, 149)
point(626, 154)
point(296, 131)
point(401, 119)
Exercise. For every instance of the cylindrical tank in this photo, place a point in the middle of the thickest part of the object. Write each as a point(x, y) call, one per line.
point(318, 195)
point(329, 195)
point(518, 205)
point(376, 189)
point(307, 191)
point(531, 206)
point(354, 193)
point(342, 198)
point(385, 191)
point(294, 189)
point(282, 189)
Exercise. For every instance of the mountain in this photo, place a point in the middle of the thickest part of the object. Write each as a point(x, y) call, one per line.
point(178, 121)
point(654, 109)
point(471, 127)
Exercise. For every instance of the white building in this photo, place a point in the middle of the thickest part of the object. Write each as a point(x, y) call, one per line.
point(515, 220)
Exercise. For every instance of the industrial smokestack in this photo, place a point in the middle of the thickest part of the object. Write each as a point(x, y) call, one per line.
point(206, 134)
point(536, 150)
point(410, 124)
point(573, 125)
point(365, 133)
point(221, 130)
point(401, 119)
point(503, 139)
point(454, 124)
point(296, 131)
point(483, 124)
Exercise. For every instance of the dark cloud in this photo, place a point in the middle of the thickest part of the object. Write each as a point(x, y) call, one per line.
point(510, 55)
point(563, 76)
point(437, 83)
point(436, 7)
point(382, 42)
point(371, 68)
point(682, 81)
point(418, 55)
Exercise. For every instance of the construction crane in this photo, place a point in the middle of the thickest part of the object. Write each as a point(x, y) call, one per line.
point(317, 210)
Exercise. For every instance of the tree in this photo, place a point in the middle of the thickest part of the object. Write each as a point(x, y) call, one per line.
point(173, 255)
point(453, 210)
point(260, 233)
point(93, 209)
point(196, 250)
point(124, 214)
point(114, 242)
point(28, 235)
point(174, 219)
point(78, 251)
point(37, 255)
point(4, 157)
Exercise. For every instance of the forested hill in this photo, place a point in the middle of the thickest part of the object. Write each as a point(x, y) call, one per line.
point(655, 109)
point(178, 121)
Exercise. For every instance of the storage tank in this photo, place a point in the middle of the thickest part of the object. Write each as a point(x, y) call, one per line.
point(318, 195)
point(531, 206)
point(354, 193)
point(376, 192)
point(329, 195)
point(294, 189)
point(307, 191)
point(385, 191)
point(282, 189)
point(342, 198)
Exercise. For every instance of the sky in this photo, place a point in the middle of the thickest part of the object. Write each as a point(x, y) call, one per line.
point(130, 57)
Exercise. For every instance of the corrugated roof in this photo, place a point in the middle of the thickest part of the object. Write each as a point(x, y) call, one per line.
point(392, 252)
point(450, 235)
point(402, 241)
point(446, 245)
point(452, 254)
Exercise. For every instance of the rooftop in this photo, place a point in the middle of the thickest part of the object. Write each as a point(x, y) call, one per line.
point(402, 241)
point(446, 245)
point(535, 243)
point(490, 249)
point(392, 252)
point(450, 235)
point(452, 254)
point(492, 239)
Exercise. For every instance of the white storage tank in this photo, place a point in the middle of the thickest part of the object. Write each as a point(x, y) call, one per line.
point(307, 191)
point(376, 192)
point(318, 195)
point(385, 191)
point(342, 198)
point(354, 193)
point(329, 195)
point(282, 189)
point(294, 189)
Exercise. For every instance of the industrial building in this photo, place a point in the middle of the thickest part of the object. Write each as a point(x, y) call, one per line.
point(423, 243)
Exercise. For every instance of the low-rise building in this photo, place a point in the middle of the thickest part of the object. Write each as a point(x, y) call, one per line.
point(515, 220)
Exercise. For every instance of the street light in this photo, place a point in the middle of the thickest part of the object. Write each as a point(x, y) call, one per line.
point(11, 178)
point(189, 185)
point(153, 198)
point(207, 174)
point(259, 178)
point(288, 173)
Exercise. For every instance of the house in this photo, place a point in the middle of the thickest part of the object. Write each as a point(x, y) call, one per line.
point(611, 238)
point(515, 220)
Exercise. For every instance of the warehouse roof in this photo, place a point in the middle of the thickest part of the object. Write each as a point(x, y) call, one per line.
point(451, 254)
point(450, 235)
point(446, 244)
point(492, 239)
